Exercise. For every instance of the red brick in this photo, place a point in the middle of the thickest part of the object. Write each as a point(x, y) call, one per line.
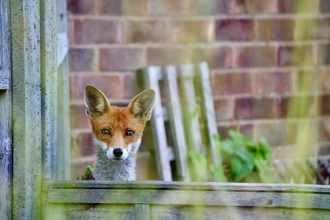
point(276, 30)
point(322, 29)
point(224, 109)
point(325, 129)
point(309, 81)
point(245, 129)
point(110, 85)
point(235, 30)
point(81, 59)
point(273, 82)
point(213, 7)
point(123, 58)
point(136, 7)
point(310, 28)
point(191, 31)
point(256, 6)
point(274, 132)
point(78, 117)
point(256, 57)
point(82, 145)
point(71, 30)
point(255, 108)
point(112, 7)
point(131, 87)
point(169, 55)
point(232, 83)
point(123, 7)
point(145, 31)
point(326, 81)
point(324, 6)
point(217, 56)
point(323, 54)
point(81, 6)
point(297, 6)
point(325, 105)
point(93, 31)
point(169, 7)
point(297, 106)
point(294, 55)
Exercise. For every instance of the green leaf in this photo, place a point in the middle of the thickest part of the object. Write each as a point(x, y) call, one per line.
point(244, 155)
point(236, 165)
point(246, 169)
point(252, 177)
point(259, 162)
point(240, 169)
point(89, 169)
point(227, 148)
point(218, 172)
point(195, 112)
point(217, 142)
point(235, 135)
point(199, 164)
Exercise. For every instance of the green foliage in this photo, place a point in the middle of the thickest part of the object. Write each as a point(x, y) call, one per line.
point(243, 160)
point(199, 165)
point(89, 169)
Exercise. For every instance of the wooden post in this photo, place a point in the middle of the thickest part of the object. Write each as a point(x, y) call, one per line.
point(6, 171)
point(25, 45)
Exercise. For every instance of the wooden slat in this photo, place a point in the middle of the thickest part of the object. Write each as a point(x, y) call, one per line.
point(196, 186)
point(176, 122)
point(49, 87)
point(190, 108)
point(89, 212)
point(236, 213)
point(63, 154)
point(142, 211)
point(209, 113)
point(4, 79)
point(184, 197)
point(151, 80)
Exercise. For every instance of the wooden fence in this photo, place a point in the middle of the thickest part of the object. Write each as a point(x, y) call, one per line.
point(180, 200)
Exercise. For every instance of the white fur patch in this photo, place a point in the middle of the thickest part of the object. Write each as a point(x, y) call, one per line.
point(108, 151)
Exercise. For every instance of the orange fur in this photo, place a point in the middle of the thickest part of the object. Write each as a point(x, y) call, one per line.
point(118, 121)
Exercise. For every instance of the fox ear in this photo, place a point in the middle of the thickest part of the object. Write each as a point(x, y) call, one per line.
point(141, 106)
point(96, 102)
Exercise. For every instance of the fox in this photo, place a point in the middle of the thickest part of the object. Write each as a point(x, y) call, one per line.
point(117, 132)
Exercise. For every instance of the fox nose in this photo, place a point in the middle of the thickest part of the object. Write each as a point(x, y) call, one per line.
point(118, 152)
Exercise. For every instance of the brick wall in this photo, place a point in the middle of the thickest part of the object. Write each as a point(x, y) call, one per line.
point(262, 53)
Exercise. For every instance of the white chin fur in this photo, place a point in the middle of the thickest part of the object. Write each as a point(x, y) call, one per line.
point(108, 151)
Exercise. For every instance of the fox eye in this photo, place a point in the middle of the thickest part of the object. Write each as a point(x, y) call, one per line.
point(105, 131)
point(129, 133)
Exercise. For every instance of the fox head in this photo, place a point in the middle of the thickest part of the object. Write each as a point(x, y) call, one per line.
point(118, 131)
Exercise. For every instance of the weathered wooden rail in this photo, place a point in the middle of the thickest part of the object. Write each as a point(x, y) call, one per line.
point(181, 200)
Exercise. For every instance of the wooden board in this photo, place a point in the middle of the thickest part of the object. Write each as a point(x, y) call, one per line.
point(181, 200)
